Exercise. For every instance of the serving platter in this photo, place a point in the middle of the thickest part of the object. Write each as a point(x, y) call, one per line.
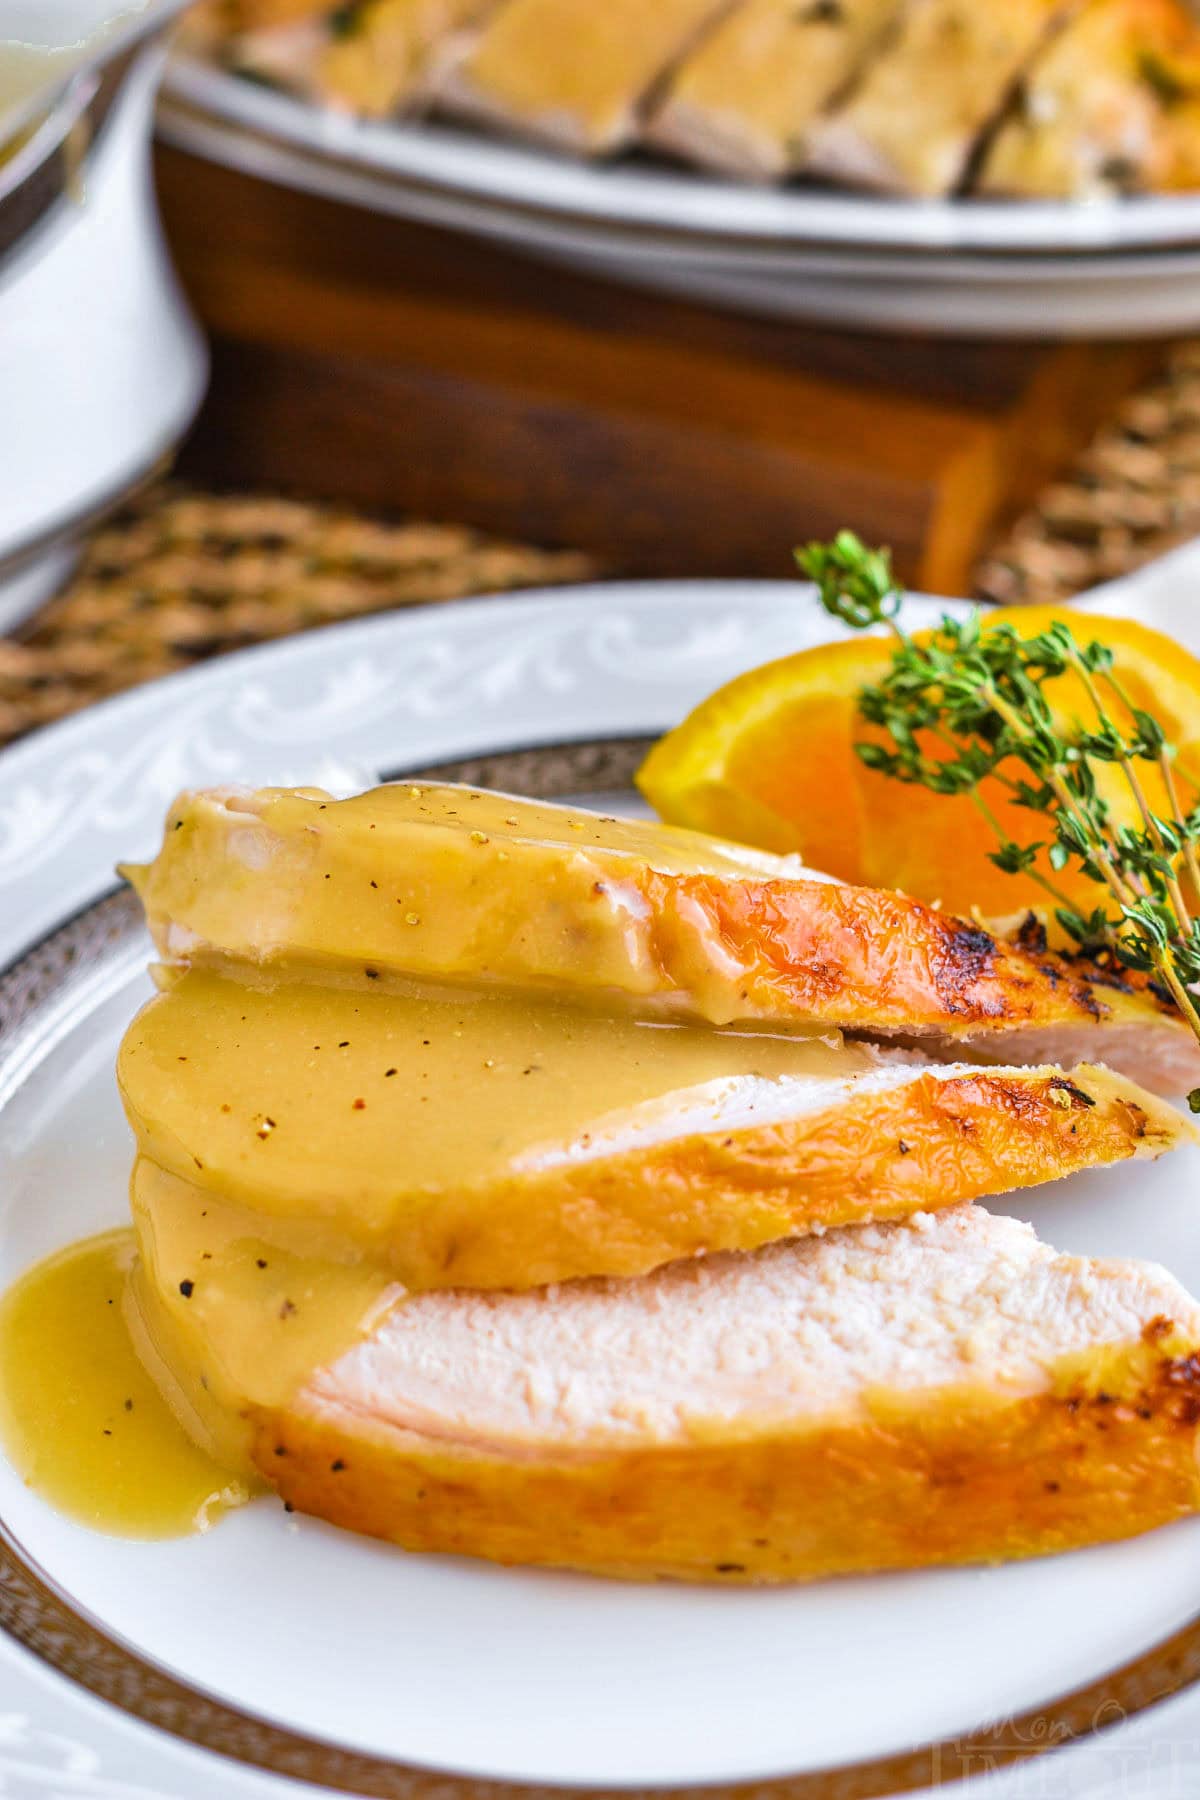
point(1140, 296)
point(963, 267)
point(674, 205)
point(279, 1644)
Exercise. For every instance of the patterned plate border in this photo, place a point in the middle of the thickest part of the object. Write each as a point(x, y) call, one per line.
point(42, 1618)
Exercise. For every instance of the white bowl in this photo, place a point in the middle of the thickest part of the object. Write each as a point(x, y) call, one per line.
point(102, 366)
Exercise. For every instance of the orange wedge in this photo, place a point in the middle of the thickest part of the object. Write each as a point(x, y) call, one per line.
point(769, 760)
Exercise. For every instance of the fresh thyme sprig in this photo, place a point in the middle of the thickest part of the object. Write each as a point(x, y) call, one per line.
point(979, 696)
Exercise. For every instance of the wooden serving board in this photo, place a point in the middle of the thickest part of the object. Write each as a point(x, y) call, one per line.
point(364, 359)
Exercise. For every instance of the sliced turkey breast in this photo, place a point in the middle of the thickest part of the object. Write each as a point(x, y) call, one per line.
point(384, 64)
point(1106, 106)
point(569, 71)
point(744, 100)
point(285, 56)
point(943, 1390)
point(372, 61)
point(912, 122)
point(449, 883)
point(484, 1141)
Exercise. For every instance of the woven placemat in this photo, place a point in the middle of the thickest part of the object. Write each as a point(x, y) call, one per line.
point(1133, 494)
point(180, 575)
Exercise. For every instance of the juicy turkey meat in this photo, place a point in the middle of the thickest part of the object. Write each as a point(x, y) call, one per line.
point(911, 123)
point(1112, 106)
point(386, 64)
point(791, 1335)
point(943, 1389)
point(482, 1142)
point(746, 98)
point(570, 71)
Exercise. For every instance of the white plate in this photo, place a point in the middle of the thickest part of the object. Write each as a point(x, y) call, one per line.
point(675, 203)
point(306, 1650)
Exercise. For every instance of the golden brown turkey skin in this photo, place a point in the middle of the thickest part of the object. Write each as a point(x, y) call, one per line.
point(1092, 1442)
point(451, 883)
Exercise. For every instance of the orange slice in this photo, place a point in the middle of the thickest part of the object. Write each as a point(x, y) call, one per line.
point(769, 760)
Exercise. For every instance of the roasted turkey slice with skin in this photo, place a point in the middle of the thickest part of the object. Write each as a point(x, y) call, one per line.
point(572, 72)
point(481, 1141)
point(942, 1390)
point(386, 65)
point(284, 56)
point(376, 66)
point(1105, 108)
point(449, 883)
point(910, 125)
point(744, 101)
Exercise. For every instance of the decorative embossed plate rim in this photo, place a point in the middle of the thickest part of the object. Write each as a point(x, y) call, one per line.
point(68, 795)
